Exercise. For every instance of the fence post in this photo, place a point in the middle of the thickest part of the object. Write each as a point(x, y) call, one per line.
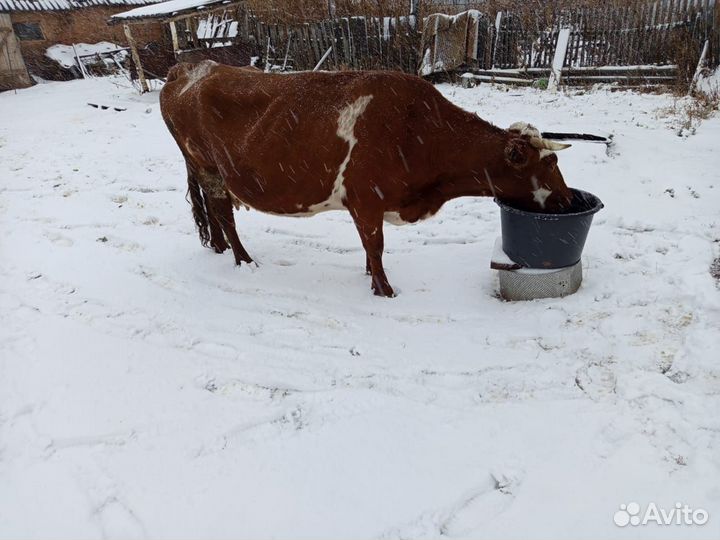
point(136, 58)
point(700, 66)
point(331, 8)
point(498, 23)
point(174, 37)
point(558, 59)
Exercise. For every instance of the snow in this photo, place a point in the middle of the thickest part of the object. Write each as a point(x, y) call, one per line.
point(65, 55)
point(166, 8)
point(710, 84)
point(150, 388)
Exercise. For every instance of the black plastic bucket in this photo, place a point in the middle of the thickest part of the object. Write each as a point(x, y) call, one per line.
point(537, 240)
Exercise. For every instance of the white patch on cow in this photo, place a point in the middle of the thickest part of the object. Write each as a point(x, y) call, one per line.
point(346, 130)
point(237, 203)
point(394, 218)
point(523, 128)
point(198, 73)
point(540, 194)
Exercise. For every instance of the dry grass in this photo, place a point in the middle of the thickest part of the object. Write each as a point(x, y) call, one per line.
point(293, 11)
point(277, 11)
point(715, 270)
point(687, 112)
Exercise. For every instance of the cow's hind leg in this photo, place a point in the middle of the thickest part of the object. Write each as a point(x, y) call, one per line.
point(219, 206)
point(198, 201)
point(217, 237)
point(222, 209)
point(208, 226)
point(371, 234)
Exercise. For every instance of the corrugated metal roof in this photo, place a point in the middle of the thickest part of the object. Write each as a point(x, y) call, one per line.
point(65, 5)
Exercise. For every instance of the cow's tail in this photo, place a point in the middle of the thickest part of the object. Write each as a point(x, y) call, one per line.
point(199, 210)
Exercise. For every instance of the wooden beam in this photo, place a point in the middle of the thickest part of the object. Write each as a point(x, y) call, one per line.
point(558, 59)
point(700, 66)
point(324, 57)
point(136, 58)
point(174, 36)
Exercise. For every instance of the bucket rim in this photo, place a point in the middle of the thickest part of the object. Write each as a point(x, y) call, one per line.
point(596, 207)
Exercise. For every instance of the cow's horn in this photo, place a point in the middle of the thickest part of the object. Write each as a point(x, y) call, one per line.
point(545, 144)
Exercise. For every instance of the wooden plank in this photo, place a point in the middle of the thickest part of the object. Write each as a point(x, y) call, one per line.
point(347, 46)
point(136, 58)
point(287, 50)
point(622, 59)
point(558, 59)
point(329, 41)
point(351, 43)
point(398, 45)
point(268, 60)
point(309, 52)
point(700, 66)
point(322, 59)
point(13, 72)
point(174, 37)
point(497, 40)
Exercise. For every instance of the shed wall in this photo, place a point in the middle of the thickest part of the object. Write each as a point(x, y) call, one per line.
point(13, 73)
point(88, 25)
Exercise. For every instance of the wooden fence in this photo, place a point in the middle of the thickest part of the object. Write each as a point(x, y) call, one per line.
point(658, 41)
point(355, 43)
point(653, 33)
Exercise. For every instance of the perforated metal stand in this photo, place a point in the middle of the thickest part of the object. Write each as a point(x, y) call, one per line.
point(518, 283)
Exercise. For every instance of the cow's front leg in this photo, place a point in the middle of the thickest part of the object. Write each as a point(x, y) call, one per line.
point(371, 234)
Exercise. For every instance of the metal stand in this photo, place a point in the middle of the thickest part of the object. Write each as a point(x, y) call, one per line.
point(518, 283)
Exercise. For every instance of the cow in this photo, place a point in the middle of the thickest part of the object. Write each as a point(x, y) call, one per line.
point(384, 146)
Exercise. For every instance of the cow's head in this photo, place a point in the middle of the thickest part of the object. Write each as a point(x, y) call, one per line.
point(536, 185)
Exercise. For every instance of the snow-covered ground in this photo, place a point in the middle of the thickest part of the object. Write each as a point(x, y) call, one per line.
point(150, 388)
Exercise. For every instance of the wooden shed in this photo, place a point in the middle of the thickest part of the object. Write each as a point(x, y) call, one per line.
point(29, 27)
point(13, 72)
point(198, 28)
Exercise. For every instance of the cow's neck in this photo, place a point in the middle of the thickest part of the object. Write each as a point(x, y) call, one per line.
point(471, 160)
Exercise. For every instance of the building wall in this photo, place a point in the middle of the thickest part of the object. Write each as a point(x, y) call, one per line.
point(13, 73)
point(88, 25)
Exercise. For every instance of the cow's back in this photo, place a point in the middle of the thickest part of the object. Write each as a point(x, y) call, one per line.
point(277, 139)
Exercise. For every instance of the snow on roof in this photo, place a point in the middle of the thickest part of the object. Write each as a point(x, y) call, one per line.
point(65, 5)
point(170, 8)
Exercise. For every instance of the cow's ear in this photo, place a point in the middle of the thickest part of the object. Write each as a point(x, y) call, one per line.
point(517, 153)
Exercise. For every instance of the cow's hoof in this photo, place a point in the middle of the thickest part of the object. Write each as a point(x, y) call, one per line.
point(219, 247)
point(386, 291)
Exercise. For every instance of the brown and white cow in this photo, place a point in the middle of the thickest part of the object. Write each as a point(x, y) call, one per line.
point(385, 146)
